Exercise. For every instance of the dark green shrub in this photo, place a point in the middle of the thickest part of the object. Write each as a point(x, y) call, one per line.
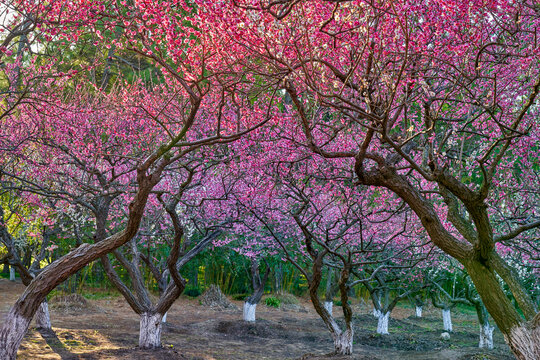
point(192, 292)
point(272, 302)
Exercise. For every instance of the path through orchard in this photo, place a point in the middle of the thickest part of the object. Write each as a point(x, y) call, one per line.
point(108, 329)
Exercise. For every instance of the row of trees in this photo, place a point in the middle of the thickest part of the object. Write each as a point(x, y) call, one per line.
point(338, 134)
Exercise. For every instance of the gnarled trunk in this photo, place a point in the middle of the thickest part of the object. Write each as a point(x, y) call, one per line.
point(447, 320)
point(343, 342)
point(42, 317)
point(249, 311)
point(150, 330)
point(418, 311)
point(382, 324)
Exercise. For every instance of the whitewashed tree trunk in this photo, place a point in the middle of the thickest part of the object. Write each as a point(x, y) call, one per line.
point(42, 317)
point(150, 331)
point(164, 318)
point(11, 273)
point(447, 320)
point(376, 313)
point(382, 324)
point(328, 305)
point(17, 326)
point(486, 336)
point(249, 311)
point(418, 311)
point(343, 343)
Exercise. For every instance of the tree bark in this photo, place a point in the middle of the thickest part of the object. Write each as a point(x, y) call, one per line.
point(486, 336)
point(249, 311)
point(343, 342)
point(42, 317)
point(382, 324)
point(328, 305)
point(13, 335)
point(447, 320)
point(150, 331)
point(525, 340)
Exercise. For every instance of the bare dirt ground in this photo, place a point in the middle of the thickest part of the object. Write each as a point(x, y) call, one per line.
point(108, 329)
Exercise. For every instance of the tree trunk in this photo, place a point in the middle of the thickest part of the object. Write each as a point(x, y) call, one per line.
point(522, 336)
point(486, 336)
point(343, 342)
point(16, 326)
point(249, 311)
point(42, 318)
point(447, 320)
point(150, 330)
point(328, 305)
point(11, 273)
point(376, 313)
point(250, 305)
point(418, 311)
point(525, 341)
point(382, 324)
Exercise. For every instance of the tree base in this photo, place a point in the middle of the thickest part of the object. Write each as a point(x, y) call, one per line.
point(343, 343)
point(150, 331)
point(249, 311)
point(42, 317)
point(382, 324)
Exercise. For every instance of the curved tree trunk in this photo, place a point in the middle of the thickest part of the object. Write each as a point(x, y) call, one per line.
point(150, 330)
point(42, 317)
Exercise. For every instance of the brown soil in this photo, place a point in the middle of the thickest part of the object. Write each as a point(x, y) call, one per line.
point(108, 329)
